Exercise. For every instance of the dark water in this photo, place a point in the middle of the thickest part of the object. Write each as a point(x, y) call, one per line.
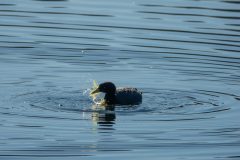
point(183, 55)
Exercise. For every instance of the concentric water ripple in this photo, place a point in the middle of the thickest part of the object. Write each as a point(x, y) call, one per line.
point(176, 102)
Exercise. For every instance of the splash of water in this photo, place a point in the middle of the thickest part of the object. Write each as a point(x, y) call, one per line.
point(96, 97)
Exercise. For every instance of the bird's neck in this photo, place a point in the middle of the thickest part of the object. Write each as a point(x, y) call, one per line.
point(110, 98)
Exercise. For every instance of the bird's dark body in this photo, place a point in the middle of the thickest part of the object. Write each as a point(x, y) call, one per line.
point(128, 96)
point(119, 96)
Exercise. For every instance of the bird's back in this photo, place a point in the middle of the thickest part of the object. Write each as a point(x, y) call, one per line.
point(128, 96)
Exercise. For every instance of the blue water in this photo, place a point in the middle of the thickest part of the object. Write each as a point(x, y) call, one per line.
point(183, 55)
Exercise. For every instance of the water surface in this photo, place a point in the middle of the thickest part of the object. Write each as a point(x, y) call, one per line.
point(183, 56)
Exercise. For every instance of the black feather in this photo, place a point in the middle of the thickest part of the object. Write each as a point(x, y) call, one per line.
point(120, 96)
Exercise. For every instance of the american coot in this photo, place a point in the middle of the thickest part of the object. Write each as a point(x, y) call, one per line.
point(120, 96)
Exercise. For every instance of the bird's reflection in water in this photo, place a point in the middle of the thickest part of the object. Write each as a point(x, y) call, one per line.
point(103, 116)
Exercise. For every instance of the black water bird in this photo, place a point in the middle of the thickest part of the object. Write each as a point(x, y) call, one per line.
point(119, 96)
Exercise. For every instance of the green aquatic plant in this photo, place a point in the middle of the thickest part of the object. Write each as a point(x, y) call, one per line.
point(95, 94)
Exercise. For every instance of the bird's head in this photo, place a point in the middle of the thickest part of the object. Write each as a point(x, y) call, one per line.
point(106, 87)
